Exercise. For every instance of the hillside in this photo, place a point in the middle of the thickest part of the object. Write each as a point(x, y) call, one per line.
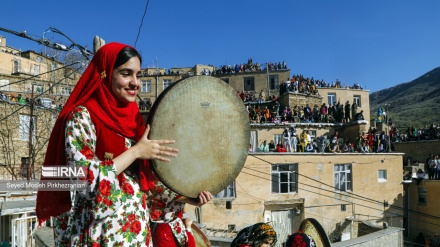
point(415, 103)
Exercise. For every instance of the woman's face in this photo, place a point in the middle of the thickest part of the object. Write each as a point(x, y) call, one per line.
point(266, 243)
point(125, 80)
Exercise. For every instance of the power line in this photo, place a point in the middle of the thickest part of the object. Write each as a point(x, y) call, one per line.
point(352, 194)
point(39, 95)
point(381, 210)
point(47, 43)
point(142, 22)
point(47, 72)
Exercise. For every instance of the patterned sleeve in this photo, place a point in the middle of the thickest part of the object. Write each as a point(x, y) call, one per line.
point(103, 187)
point(161, 200)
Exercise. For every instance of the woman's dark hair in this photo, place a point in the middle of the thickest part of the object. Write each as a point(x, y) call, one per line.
point(125, 54)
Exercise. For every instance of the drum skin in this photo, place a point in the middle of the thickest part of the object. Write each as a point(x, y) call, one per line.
point(312, 228)
point(211, 127)
point(199, 237)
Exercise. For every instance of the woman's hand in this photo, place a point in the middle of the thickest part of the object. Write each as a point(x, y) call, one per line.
point(203, 198)
point(154, 149)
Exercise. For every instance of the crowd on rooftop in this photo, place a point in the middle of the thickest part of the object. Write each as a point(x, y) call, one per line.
point(419, 134)
point(307, 85)
point(372, 141)
point(20, 99)
point(250, 66)
point(336, 113)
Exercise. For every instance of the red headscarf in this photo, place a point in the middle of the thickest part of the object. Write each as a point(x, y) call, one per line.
point(93, 91)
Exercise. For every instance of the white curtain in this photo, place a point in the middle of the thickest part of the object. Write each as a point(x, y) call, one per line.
point(282, 222)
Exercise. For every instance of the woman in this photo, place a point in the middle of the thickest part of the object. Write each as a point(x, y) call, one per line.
point(272, 146)
point(100, 129)
point(258, 235)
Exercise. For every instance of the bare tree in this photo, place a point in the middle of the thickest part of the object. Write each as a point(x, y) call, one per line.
point(18, 150)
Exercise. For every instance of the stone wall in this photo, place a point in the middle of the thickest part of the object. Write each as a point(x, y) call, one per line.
point(293, 99)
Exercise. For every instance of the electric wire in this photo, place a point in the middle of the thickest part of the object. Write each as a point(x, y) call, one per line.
point(47, 72)
point(381, 210)
point(366, 198)
point(314, 192)
point(37, 96)
point(142, 22)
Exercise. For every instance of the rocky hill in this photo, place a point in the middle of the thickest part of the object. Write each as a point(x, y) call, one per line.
point(415, 103)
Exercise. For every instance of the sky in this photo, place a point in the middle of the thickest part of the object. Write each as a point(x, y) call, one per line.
point(376, 43)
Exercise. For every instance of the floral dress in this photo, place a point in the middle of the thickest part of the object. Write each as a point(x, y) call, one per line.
point(112, 211)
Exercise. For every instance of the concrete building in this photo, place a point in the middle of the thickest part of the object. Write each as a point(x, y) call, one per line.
point(349, 194)
point(421, 200)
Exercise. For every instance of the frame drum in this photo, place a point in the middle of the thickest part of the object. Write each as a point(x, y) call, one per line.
point(199, 237)
point(312, 228)
point(211, 127)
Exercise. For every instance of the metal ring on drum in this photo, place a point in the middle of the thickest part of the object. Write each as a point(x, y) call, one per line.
point(211, 127)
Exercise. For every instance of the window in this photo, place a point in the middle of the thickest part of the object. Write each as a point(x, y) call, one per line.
point(23, 128)
point(357, 99)
point(248, 84)
point(146, 87)
point(4, 85)
point(284, 178)
point(331, 97)
point(38, 59)
point(36, 69)
point(343, 177)
point(229, 192)
point(422, 196)
point(166, 83)
point(273, 82)
point(225, 80)
point(382, 176)
point(17, 66)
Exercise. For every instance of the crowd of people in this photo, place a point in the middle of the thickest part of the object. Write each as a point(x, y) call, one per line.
point(371, 142)
point(433, 166)
point(307, 85)
point(336, 113)
point(250, 66)
point(419, 134)
point(20, 99)
point(431, 132)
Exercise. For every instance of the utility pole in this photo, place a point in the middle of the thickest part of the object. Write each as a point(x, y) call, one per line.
point(31, 128)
